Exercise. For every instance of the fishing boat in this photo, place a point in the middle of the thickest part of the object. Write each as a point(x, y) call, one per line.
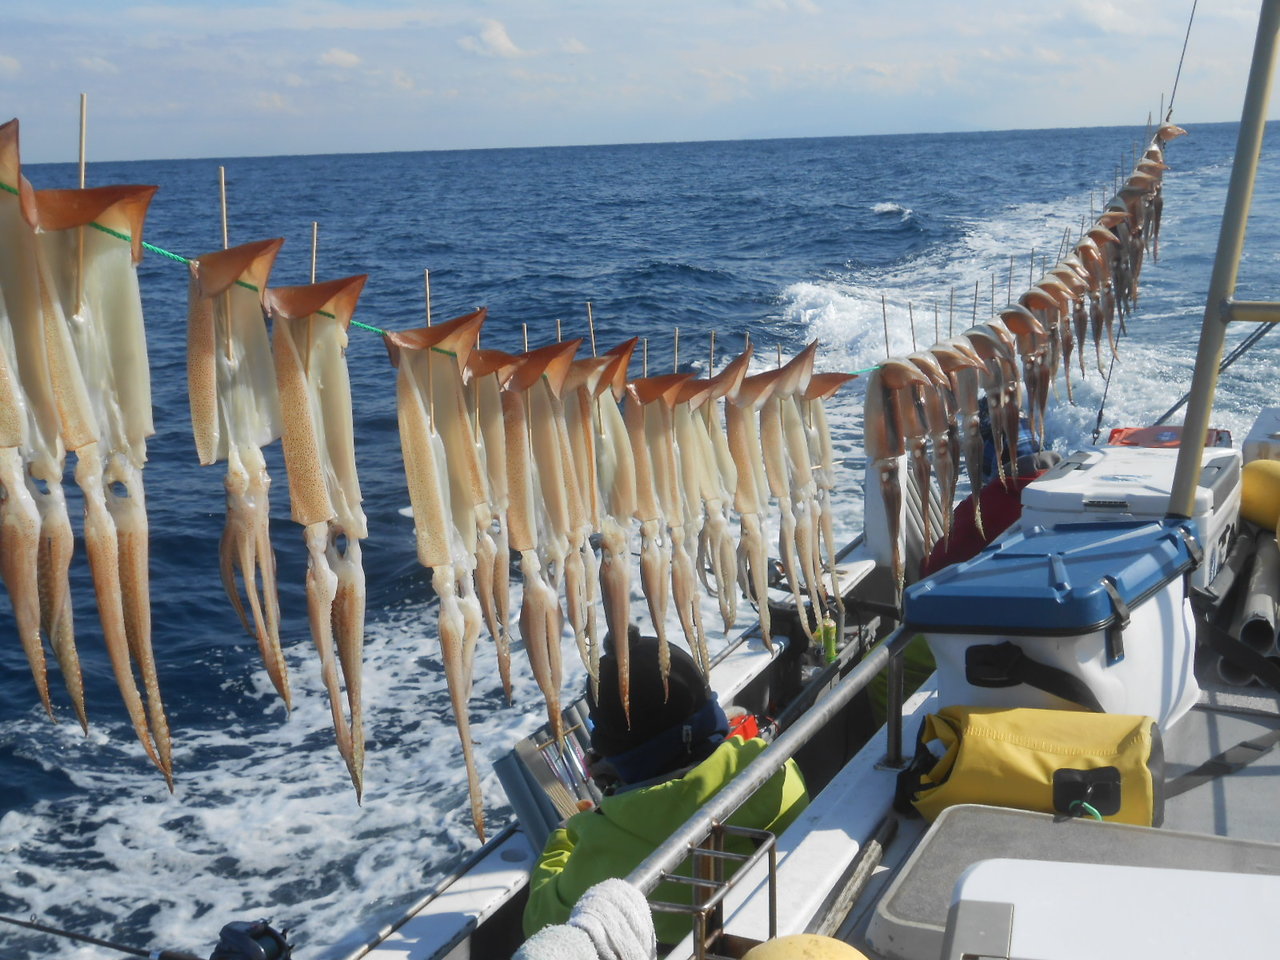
point(987, 878)
point(852, 866)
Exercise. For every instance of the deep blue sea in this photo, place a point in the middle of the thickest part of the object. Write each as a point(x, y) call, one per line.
point(787, 240)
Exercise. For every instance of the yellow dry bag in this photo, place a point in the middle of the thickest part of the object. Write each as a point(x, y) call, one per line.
point(1103, 765)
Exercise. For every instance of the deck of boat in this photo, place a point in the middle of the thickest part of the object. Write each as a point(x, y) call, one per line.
point(828, 849)
point(1239, 807)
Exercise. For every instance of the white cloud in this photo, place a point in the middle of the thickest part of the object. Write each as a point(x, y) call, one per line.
point(402, 80)
point(337, 57)
point(269, 101)
point(293, 80)
point(1109, 18)
point(9, 66)
point(785, 6)
point(492, 42)
point(97, 65)
point(572, 45)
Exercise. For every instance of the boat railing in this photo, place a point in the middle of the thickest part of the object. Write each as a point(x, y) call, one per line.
point(704, 830)
point(1221, 307)
point(711, 886)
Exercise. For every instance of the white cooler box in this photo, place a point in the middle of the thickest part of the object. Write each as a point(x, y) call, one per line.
point(1133, 483)
point(1088, 615)
point(1046, 910)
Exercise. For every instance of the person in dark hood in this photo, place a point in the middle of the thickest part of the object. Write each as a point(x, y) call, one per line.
point(656, 771)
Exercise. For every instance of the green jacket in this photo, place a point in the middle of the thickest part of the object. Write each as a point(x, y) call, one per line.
point(613, 839)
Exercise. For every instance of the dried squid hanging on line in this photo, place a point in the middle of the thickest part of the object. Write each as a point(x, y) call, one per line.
point(715, 545)
point(539, 512)
point(801, 510)
point(36, 573)
point(823, 386)
point(616, 470)
point(937, 404)
point(445, 349)
point(891, 417)
point(751, 496)
point(588, 378)
point(964, 369)
point(703, 500)
point(664, 562)
point(441, 544)
point(235, 412)
point(309, 341)
point(488, 370)
point(97, 355)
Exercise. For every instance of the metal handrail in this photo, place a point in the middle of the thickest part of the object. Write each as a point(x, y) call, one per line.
point(707, 910)
point(1220, 307)
point(737, 791)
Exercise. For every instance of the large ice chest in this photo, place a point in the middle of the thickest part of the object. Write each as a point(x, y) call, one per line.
point(1052, 910)
point(1094, 612)
point(911, 918)
point(1133, 483)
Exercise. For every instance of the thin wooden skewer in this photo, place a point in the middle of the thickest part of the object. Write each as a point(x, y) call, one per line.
point(884, 314)
point(222, 194)
point(222, 203)
point(712, 368)
point(779, 354)
point(675, 348)
point(911, 317)
point(525, 328)
point(591, 326)
point(559, 332)
point(426, 282)
point(315, 246)
point(975, 301)
point(84, 129)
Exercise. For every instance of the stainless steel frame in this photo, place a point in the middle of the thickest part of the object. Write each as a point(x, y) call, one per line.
point(1220, 307)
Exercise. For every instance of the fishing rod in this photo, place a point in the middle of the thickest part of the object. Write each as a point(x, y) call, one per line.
point(238, 940)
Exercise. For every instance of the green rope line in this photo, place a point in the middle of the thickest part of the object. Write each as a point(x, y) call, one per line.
point(151, 247)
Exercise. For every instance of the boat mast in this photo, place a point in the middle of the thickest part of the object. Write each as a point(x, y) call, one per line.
point(1220, 308)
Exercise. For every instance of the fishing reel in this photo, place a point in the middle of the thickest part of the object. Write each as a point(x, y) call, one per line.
point(251, 940)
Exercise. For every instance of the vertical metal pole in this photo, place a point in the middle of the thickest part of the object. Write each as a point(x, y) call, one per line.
point(1226, 262)
point(893, 711)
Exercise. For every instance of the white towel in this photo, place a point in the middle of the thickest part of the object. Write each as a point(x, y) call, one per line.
point(615, 915)
point(557, 942)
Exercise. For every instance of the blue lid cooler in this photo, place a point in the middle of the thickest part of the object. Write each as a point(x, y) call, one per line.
point(1088, 616)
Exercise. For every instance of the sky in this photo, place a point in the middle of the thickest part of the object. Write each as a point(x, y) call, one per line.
point(179, 79)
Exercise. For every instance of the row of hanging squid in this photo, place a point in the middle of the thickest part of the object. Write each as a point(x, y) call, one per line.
point(925, 407)
point(74, 378)
point(555, 462)
point(548, 458)
point(559, 462)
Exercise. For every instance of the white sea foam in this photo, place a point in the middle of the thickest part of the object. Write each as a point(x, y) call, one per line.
point(889, 207)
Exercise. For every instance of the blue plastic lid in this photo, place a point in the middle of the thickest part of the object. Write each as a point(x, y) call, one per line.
point(1051, 581)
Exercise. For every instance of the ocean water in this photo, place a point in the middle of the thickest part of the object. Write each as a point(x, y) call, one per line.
point(787, 240)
